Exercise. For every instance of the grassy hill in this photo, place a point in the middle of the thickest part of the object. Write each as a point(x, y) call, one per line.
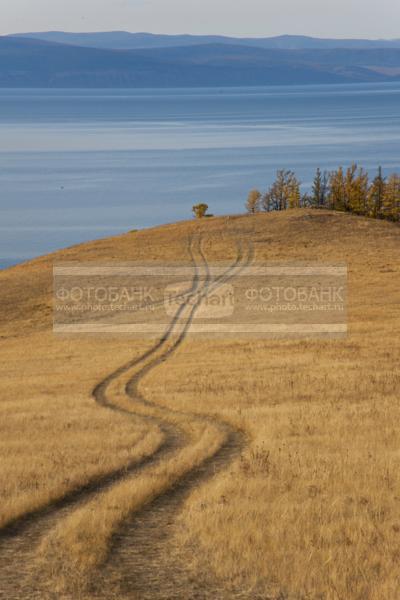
point(228, 468)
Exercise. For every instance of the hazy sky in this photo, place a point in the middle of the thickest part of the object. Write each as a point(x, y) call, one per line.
point(335, 18)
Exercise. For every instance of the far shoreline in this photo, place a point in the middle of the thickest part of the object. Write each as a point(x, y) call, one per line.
point(6, 263)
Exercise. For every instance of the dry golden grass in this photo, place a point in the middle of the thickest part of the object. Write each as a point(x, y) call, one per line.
point(77, 547)
point(53, 438)
point(312, 508)
point(313, 505)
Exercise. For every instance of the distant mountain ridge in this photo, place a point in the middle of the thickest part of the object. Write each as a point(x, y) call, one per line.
point(25, 62)
point(124, 40)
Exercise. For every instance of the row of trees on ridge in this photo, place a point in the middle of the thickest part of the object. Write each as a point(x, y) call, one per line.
point(349, 190)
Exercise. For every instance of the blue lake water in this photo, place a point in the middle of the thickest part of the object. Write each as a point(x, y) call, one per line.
point(82, 164)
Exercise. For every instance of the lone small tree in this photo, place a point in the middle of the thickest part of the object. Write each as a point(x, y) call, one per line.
point(253, 203)
point(200, 210)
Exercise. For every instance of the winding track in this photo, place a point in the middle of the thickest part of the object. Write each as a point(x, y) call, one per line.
point(137, 560)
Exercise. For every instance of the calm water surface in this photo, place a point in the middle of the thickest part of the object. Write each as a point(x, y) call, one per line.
point(82, 164)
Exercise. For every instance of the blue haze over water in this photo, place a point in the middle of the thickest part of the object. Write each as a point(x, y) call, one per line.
point(82, 164)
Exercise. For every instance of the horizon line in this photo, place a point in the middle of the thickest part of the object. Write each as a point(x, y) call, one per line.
point(232, 36)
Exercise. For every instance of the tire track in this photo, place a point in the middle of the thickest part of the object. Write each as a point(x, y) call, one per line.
point(183, 456)
point(18, 540)
point(137, 567)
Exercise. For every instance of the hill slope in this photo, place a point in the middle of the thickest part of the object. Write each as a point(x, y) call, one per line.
point(34, 63)
point(218, 448)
